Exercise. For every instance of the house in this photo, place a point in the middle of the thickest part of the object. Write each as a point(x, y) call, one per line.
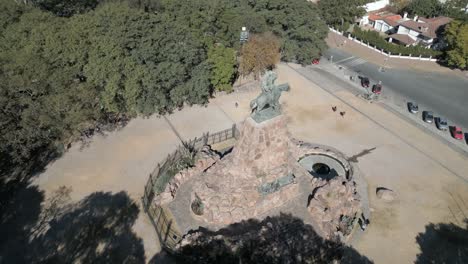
point(384, 21)
point(422, 31)
point(372, 7)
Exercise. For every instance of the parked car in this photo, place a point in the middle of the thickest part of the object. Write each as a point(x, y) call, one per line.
point(456, 132)
point(413, 107)
point(364, 81)
point(377, 88)
point(428, 116)
point(441, 123)
point(315, 61)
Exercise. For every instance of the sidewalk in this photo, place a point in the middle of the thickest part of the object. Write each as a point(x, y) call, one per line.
point(336, 41)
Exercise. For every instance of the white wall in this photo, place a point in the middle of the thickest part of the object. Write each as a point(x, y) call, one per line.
point(376, 5)
point(364, 20)
point(413, 34)
point(382, 26)
point(403, 30)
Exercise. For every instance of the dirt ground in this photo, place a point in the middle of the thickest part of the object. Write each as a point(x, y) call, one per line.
point(405, 159)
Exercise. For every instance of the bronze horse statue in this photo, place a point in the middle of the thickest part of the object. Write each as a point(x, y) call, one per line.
point(269, 98)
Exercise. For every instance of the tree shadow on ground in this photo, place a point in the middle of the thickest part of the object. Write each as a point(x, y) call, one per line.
point(443, 243)
point(18, 215)
point(279, 239)
point(97, 229)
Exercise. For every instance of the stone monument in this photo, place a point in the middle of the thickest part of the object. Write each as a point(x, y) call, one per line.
point(256, 176)
point(267, 172)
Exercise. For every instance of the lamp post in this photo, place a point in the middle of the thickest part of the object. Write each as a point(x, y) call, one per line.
point(244, 35)
point(382, 68)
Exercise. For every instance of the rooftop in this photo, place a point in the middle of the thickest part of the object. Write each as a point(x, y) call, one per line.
point(405, 39)
point(427, 26)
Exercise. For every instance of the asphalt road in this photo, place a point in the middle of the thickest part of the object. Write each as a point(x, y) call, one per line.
point(446, 95)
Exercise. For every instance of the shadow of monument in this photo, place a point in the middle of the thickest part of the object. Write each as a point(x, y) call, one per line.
point(361, 154)
point(443, 243)
point(279, 239)
point(97, 229)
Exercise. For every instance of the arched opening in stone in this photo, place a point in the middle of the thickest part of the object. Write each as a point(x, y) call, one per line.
point(321, 169)
point(322, 166)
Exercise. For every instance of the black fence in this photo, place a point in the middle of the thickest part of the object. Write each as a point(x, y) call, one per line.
point(165, 227)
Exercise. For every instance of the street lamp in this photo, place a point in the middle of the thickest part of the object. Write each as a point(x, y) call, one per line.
point(382, 69)
point(244, 35)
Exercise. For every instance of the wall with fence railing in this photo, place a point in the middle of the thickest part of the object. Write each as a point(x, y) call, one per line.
point(381, 51)
point(166, 229)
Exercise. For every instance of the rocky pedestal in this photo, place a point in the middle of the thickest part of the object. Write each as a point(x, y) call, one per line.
point(263, 149)
point(253, 179)
point(334, 206)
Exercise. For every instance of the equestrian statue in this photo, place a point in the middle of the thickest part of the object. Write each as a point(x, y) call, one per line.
point(266, 105)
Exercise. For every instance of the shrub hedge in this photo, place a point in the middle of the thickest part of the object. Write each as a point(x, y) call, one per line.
point(374, 39)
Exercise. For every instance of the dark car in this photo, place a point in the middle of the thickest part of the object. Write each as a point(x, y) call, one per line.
point(413, 107)
point(441, 123)
point(377, 88)
point(428, 116)
point(364, 81)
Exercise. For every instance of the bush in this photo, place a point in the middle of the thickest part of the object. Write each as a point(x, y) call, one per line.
point(374, 39)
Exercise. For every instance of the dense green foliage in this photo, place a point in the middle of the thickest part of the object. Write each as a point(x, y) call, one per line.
point(432, 8)
point(223, 70)
point(66, 8)
point(70, 66)
point(425, 8)
point(374, 39)
point(456, 35)
point(338, 12)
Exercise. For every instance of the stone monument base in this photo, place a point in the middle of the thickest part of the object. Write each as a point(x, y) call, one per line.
point(255, 178)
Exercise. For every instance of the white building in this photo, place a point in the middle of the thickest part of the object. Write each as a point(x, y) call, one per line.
point(423, 31)
point(371, 7)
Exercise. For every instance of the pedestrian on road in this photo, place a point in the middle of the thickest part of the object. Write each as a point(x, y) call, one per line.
point(237, 104)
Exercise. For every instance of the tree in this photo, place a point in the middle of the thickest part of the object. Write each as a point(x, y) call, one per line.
point(425, 8)
point(260, 53)
point(399, 5)
point(66, 8)
point(223, 61)
point(456, 35)
point(337, 12)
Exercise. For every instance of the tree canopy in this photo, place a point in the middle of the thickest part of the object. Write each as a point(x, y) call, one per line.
point(259, 54)
point(338, 12)
point(456, 35)
point(70, 66)
point(425, 8)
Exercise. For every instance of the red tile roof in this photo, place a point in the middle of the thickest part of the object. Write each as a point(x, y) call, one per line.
point(388, 17)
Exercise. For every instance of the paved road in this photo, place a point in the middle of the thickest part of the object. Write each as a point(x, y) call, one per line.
point(446, 95)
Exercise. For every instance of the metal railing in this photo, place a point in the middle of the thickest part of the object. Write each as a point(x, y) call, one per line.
point(165, 227)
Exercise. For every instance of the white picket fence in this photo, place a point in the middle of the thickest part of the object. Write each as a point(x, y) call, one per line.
point(383, 52)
